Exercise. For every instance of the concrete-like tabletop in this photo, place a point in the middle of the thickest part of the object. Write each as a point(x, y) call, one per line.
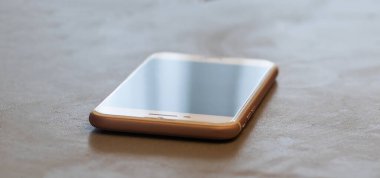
point(59, 59)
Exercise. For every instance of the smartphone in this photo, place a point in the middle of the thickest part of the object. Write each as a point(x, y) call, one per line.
point(188, 96)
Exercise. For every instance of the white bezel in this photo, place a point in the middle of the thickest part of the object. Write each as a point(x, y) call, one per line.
point(187, 117)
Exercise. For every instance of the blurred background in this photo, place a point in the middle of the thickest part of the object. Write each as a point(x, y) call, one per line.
point(59, 59)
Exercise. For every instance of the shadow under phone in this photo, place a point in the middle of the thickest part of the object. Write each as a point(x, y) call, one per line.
point(124, 144)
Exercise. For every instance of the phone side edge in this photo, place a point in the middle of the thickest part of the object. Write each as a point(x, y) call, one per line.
point(251, 107)
point(222, 131)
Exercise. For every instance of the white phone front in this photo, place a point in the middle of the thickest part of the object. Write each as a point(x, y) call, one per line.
point(187, 91)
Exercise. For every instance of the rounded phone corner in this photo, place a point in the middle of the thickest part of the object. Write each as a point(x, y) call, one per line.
point(228, 131)
point(95, 119)
point(271, 64)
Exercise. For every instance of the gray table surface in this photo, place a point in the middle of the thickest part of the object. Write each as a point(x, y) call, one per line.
point(59, 59)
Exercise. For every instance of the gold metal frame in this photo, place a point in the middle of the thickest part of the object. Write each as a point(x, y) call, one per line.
point(185, 124)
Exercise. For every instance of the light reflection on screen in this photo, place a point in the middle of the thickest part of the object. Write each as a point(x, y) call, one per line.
point(188, 87)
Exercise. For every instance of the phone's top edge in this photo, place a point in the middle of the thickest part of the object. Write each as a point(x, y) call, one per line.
point(201, 58)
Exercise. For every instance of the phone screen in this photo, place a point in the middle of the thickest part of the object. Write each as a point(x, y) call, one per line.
point(188, 87)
